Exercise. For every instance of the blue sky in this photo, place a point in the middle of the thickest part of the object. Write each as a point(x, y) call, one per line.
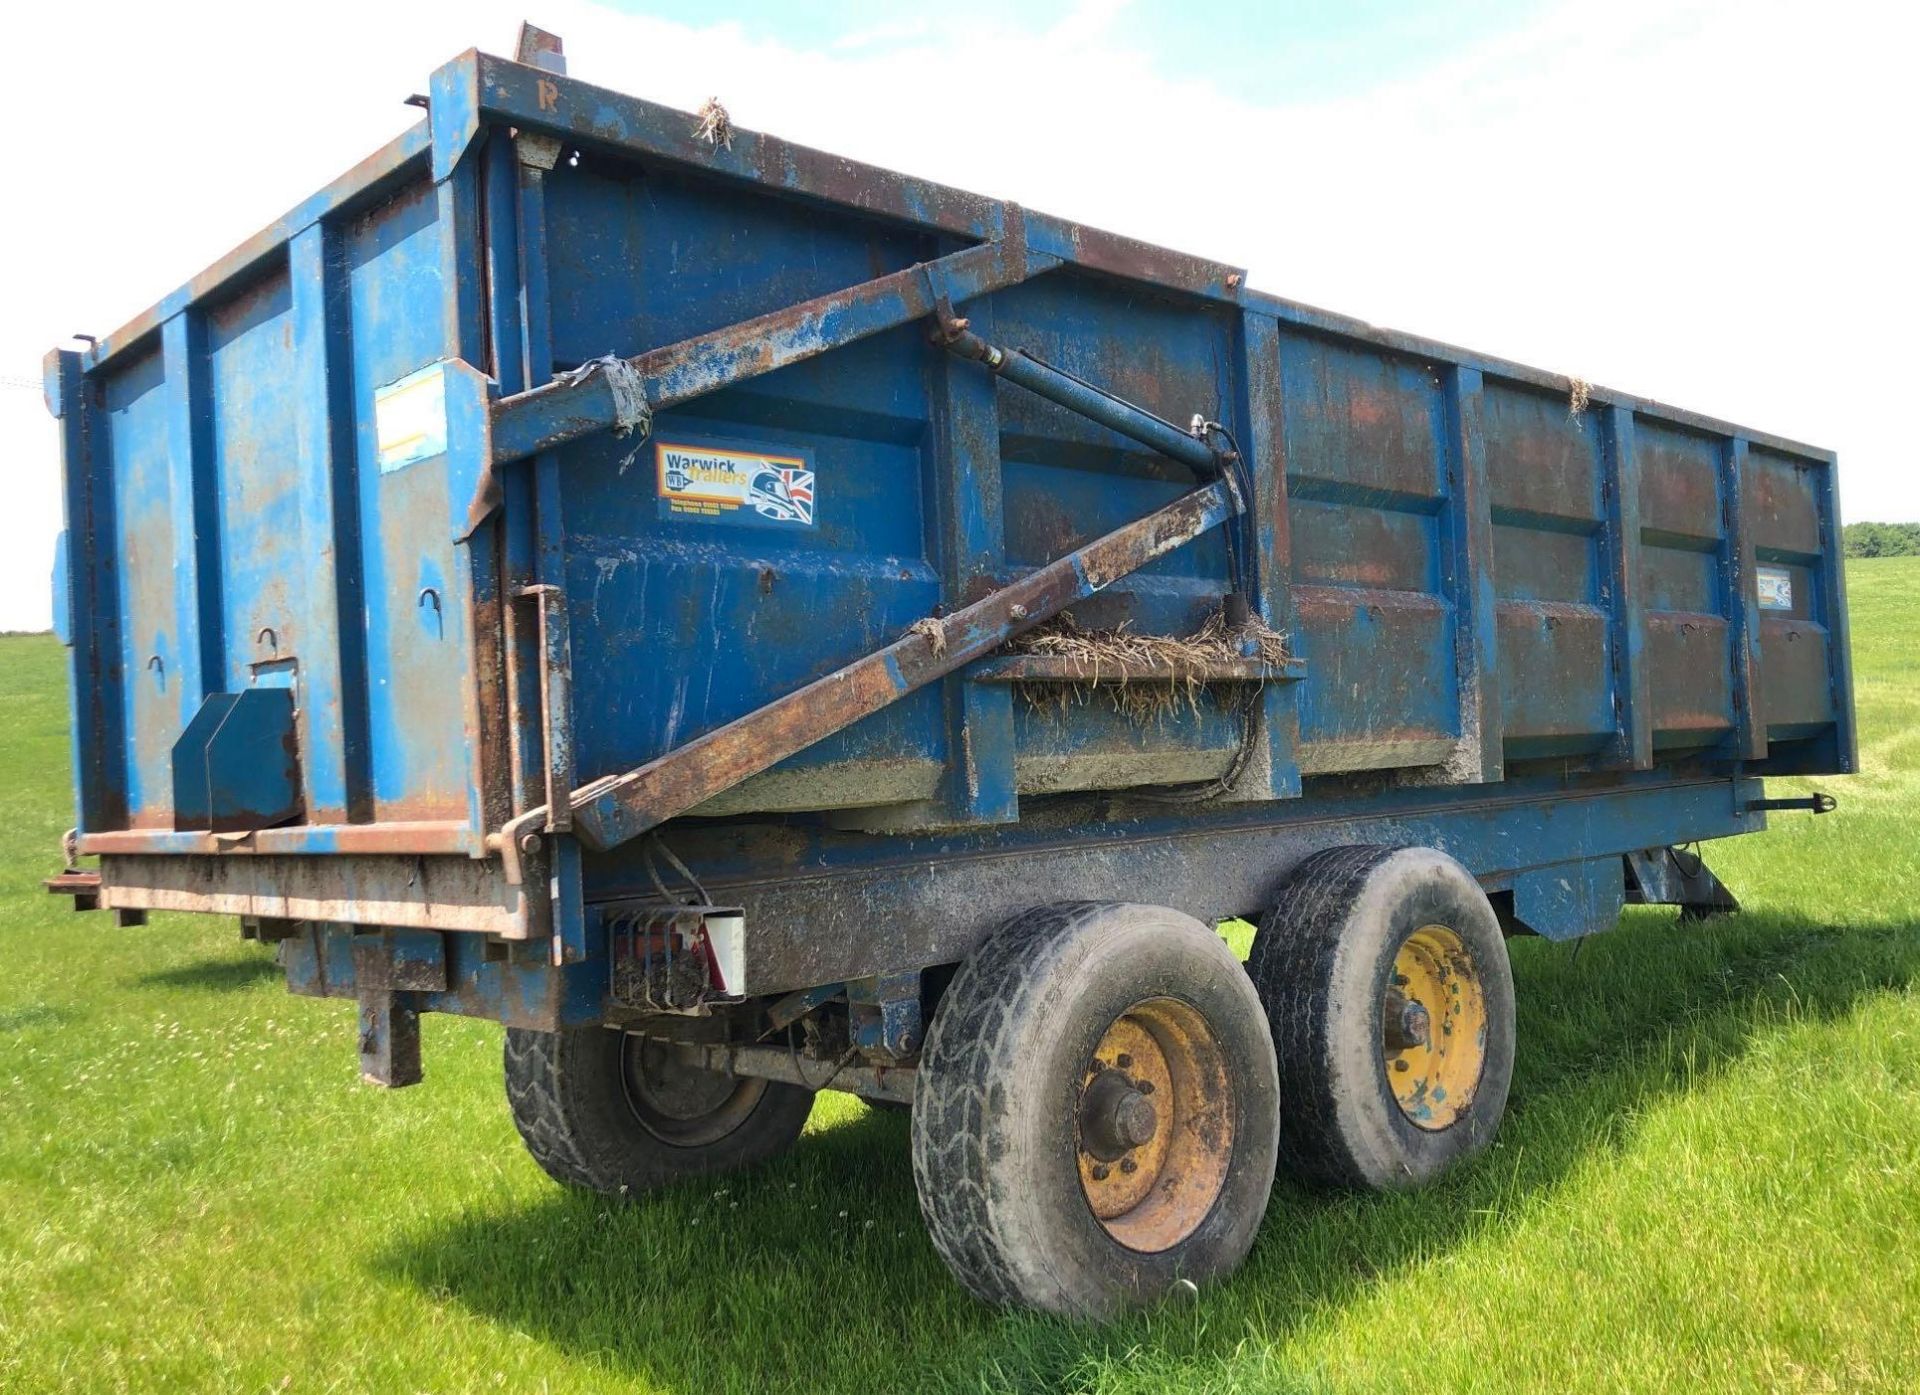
point(1298, 49)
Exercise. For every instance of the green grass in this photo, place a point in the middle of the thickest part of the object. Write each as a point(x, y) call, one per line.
point(1708, 1176)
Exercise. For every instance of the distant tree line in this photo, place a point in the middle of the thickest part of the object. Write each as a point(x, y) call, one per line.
point(1882, 539)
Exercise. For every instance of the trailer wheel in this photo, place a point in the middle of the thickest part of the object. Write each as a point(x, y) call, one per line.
point(1386, 982)
point(1095, 1116)
point(618, 1113)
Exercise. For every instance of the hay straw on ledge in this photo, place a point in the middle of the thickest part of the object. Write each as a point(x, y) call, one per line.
point(1106, 660)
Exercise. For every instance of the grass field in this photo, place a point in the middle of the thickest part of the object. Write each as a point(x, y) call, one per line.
point(1709, 1178)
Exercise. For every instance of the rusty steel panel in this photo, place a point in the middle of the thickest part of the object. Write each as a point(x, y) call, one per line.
point(1543, 458)
point(1556, 695)
point(1797, 696)
point(1536, 564)
point(1783, 509)
point(1359, 545)
point(159, 697)
point(1374, 697)
point(570, 407)
point(1689, 678)
point(1679, 483)
point(1679, 579)
point(1370, 425)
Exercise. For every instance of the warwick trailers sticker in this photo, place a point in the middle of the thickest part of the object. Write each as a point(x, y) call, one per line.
point(732, 482)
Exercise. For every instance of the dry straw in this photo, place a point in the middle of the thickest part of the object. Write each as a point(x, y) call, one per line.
point(1147, 677)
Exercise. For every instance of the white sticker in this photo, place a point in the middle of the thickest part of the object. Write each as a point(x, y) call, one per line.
point(735, 482)
point(410, 418)
point(1776, 588)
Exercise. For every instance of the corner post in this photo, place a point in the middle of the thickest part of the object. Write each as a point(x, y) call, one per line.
point(454, 117)
point(1833, 583)
point(96, 666)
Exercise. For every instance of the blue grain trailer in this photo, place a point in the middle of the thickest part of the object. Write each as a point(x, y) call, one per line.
point(750, 623)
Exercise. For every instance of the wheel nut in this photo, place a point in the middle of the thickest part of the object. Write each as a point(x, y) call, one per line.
point(1144, 1087)
point(1100, 1172)
point(1123, 1061)
point(1128, 1164)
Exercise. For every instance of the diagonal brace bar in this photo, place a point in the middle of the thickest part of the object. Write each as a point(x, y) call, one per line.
point(610, 811)
point(558, 412)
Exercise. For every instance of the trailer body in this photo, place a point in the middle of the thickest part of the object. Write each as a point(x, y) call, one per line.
point(410, 547)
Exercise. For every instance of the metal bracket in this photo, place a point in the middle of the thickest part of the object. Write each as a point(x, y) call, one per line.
point(536, 151)
point(1670, 877)
point(1565, 900)
point(236, 767)
point(389, 966)
point(885, 1013)
point(83, 886)
point(556, 701)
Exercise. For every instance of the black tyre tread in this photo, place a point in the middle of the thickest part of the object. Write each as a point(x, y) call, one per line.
point(960, 1071)
point(1292, 969)
point(1292, 965)
point(964, 1048)
point(565, 1104)
point(537, 1085)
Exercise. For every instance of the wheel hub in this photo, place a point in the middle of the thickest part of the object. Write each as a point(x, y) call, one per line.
point(1115, 1117)
point(1408, 1023)
point(682, 1103)
point(1153, 1125)
point(1434, 1027)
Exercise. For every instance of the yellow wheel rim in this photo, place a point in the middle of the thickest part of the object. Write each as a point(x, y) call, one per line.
point(1153, 1125)
point(1434, 1028)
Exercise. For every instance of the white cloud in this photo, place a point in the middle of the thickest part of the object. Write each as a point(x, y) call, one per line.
point(1706, 202)
point(893, 32)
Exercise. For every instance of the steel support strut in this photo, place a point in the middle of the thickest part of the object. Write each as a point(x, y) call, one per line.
point(566, 409)
point(612, 810)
